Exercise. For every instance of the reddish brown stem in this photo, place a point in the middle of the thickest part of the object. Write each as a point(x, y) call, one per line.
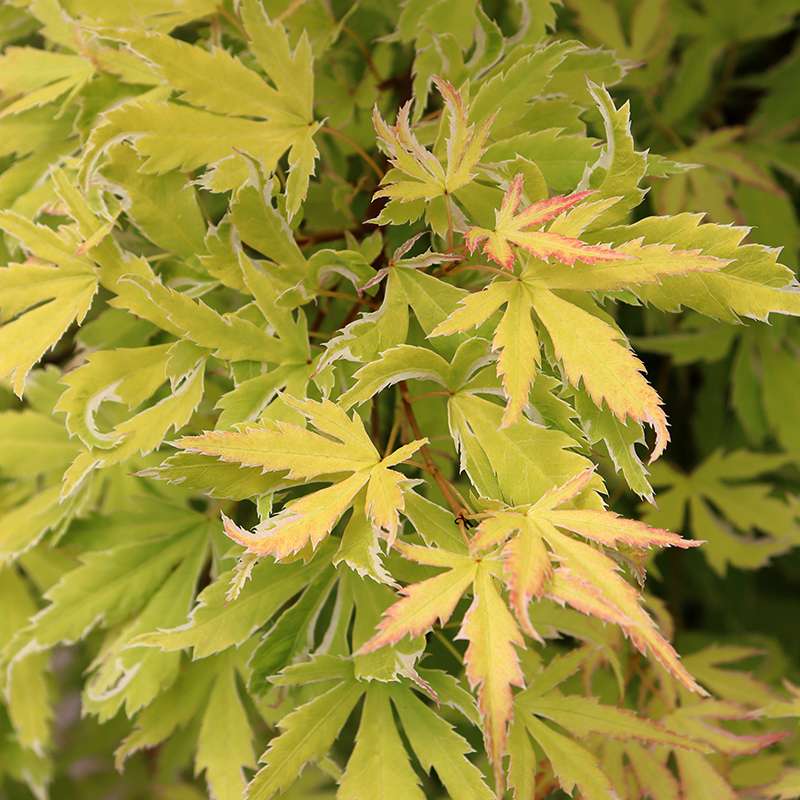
point(368, 159)
point(447, 490)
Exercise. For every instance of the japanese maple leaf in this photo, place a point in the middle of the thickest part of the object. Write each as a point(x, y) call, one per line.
point(417, 174)
point(514, 227)
point(490, 630)
point(538, 557)
point(339, 451)
point(543, 557)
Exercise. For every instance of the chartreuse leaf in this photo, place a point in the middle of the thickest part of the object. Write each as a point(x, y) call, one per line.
point(383, 768)
point(33, 444)
point(135, 676)
point(752, 285)
point(488, 627)
point(215, 81)
point(372, 333)
point(573, 765)
point(129, 375)
point(292, 634)
point(652, 776)
point(379, 766)
point(339, 445)
point(157, 130)
point(522, 761)
point(108, 587)
point(172, 710)
point(423, 603)
point(499, 461)
point(608, 370)
point(26, 689)
point(434, 523)
point(40, 77)
point(24, 525)
point(207, 475)
point(228, 336)
point(620, 168)
point(508, 86)
point(620, 439)
point(224, 743)
point(437, 746)
point(417, 176)
point(360, 546)
point(515, 340)
point(218, 622)
point(583, 716)
point(211, 79)
point(492, 663)
point(39, 301)
point(144, 196)
point(290, 70)
point(698, 777)
point(265, 229)
point(307, 734)
point(145, 431)
point(403, 362)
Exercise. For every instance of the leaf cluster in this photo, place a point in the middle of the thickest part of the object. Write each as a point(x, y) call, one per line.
point(318, 388)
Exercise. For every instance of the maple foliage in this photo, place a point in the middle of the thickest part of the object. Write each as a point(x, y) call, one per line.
point(512, 227)
point(319, 384)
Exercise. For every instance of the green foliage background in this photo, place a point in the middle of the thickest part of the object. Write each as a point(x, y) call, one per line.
point(710, 84)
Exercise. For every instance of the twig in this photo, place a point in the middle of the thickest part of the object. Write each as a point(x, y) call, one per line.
point(447, 490)
point(395, 429)
point(289, 10)
point(364, 51)
point(370, 161)
point(478, 268)
point(223, 12)
point(448, 645)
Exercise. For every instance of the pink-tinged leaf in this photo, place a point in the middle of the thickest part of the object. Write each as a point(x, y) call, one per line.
point(596, 568)
point(569, 589)
point(496, 247)
point(527, 568)
point(305, 521)
point(595, 353)
point(721, 740)
point(513, 227)
point(608, 528)
point(492, 665)
point(422, 604)
point(545, 210)
point(545, 245)
point(568, 490)
point(496, 529)
point(649, 642)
